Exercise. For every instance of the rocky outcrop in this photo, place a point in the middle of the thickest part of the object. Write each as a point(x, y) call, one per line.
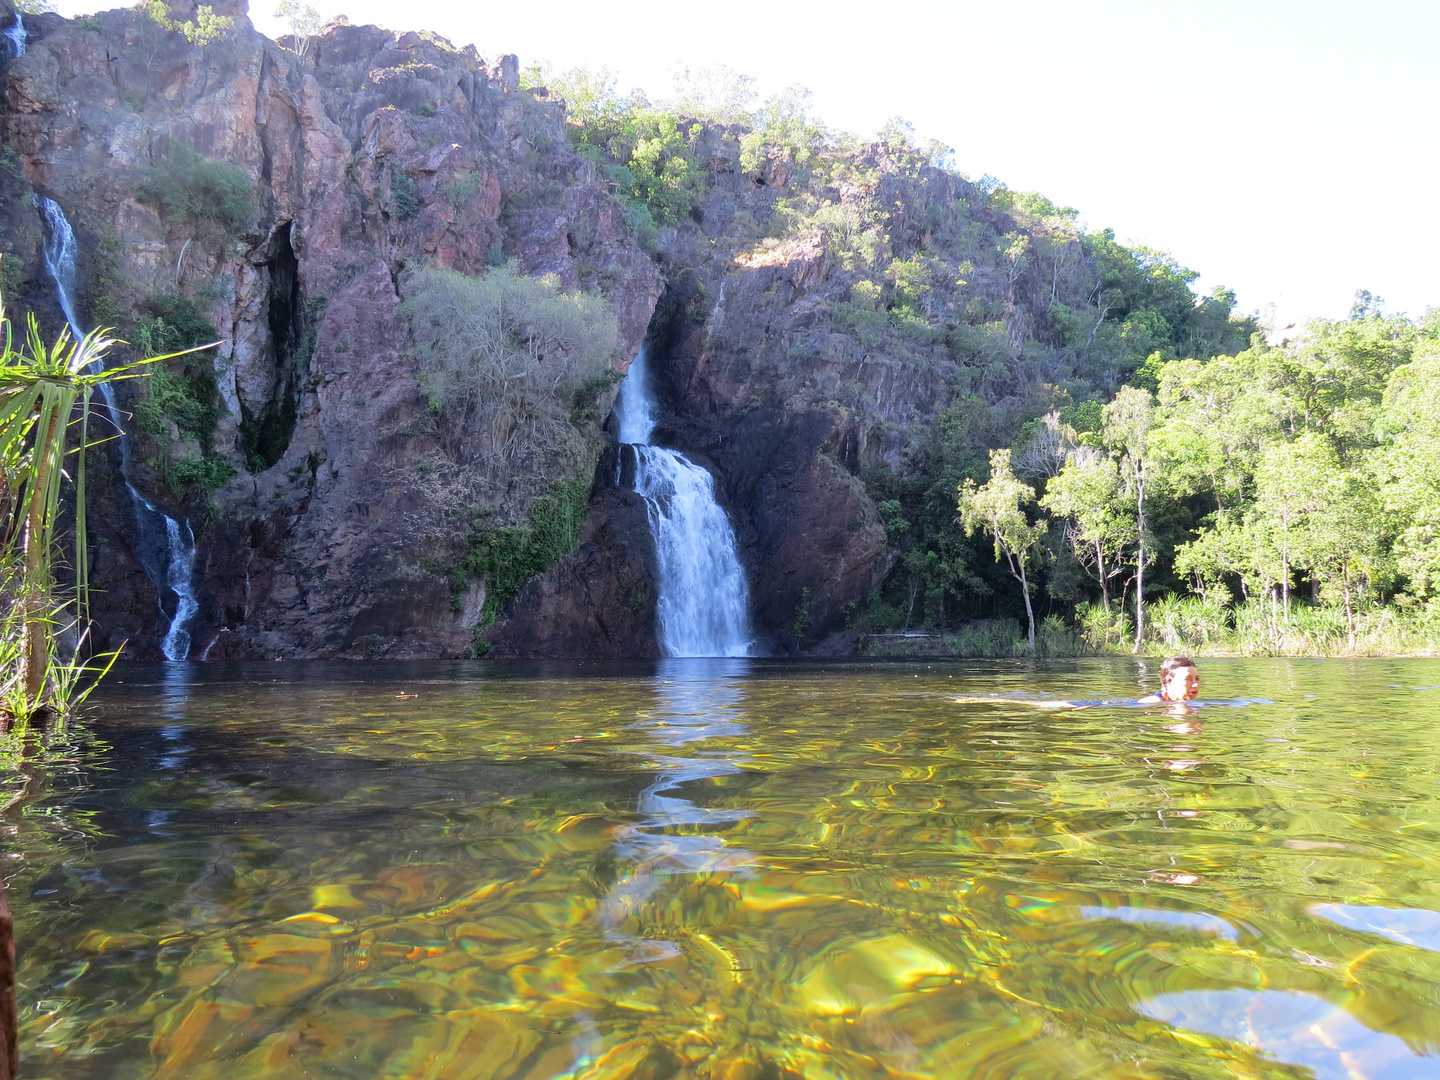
point(371, 153)
point(769, 375)
point(807, 324)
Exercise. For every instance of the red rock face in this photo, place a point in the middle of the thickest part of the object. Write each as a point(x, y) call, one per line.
point(340, 547)
point(374, 153)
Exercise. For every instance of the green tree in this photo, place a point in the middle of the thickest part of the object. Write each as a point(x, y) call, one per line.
point(1128, 422)
point(199, 31)
point(784, 123)
point(1099, 526)
point(1407, 463)
point(305, 21)
point(1341, 535)
point(998, 508)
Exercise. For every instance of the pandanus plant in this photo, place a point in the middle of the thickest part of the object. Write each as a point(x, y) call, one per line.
point(46, 395)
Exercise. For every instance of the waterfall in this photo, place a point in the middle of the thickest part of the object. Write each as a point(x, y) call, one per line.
point(59, 254)
point(157, 530)
point(180, 578)
point(704, 599)
point(17, 34)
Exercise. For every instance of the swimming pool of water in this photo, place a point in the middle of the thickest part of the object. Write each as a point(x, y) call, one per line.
point(735, 869)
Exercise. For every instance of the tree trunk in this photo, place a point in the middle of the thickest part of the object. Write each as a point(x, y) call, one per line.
point(1104, 586)
point(1140, 558)
point(1029, 611)
point(1285, 563)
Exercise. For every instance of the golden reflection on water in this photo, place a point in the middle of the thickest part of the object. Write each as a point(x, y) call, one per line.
point(734, 870)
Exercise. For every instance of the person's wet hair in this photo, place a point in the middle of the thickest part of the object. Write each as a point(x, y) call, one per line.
point(1176, 663)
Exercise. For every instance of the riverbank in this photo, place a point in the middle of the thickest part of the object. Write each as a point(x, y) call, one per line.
point(1195, 627)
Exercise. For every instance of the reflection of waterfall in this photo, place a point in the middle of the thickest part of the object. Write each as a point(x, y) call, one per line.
point(703, 601)
point(696, 699)
point(167, 547)
point(17, 35)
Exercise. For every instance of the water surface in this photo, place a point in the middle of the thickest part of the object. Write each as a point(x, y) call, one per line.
point(733, 869)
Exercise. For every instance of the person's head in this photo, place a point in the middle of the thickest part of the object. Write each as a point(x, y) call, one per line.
point(1179, 679)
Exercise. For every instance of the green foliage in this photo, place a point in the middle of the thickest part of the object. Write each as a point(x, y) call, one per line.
point(197, 472)
point(892, 513)
point(1298, 480)
point(985, 640)
point(462, 190)
point(12, 273)
point(801, 630)
point(784, 126)
point(175, 399)
point(214, 198)
point(405, 198)
point(200, 31)
point(305, 20)
point(425, 109)
point(715, 93)
point(45, 396)
point(505, 557)
point(180, 398)
point(642, 150)
point(509, 358)
point(1030, 204)
point(998, 508)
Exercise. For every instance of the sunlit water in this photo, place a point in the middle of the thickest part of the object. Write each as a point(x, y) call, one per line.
point(732, 869)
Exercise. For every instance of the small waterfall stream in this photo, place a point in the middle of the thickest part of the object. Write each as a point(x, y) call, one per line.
point(158, 531)
point(704, 599)
point(17, 34)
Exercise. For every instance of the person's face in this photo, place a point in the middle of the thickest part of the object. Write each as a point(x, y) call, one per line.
point(1182, 684)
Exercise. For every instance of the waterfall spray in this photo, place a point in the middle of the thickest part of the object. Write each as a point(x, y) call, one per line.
point(703, 604)
point(156, 528)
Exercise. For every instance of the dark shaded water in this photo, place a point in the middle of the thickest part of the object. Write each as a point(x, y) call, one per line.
point(732, 869)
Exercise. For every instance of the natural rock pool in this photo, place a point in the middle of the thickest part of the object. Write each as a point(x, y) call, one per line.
point(736, 869)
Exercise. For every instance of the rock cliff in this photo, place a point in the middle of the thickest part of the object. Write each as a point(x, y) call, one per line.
point(329, 549)
point(813, 320)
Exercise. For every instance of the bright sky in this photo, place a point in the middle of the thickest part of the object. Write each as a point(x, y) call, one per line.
point(1284, 148)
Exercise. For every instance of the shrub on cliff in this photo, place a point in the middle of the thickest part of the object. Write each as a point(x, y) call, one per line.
point(504, 356)
point(214, 198)
point(182, 392)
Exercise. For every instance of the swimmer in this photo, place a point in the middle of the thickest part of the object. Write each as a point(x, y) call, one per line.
point(1179, 681)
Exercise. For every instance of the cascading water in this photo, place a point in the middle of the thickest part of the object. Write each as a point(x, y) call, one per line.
point(157, 529)
point(703, 602)
point(17, 35)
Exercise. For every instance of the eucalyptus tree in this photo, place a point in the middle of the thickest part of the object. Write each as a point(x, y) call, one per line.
point(1128, 421)
point(1088, 496)
point(998, 508)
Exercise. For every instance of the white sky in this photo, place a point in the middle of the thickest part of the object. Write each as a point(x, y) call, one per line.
point(1284, 148)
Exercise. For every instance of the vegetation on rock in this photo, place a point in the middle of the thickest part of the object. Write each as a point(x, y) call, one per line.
point(214, 198)
point(505, 557)
point(503, 357)
point(179, 402)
